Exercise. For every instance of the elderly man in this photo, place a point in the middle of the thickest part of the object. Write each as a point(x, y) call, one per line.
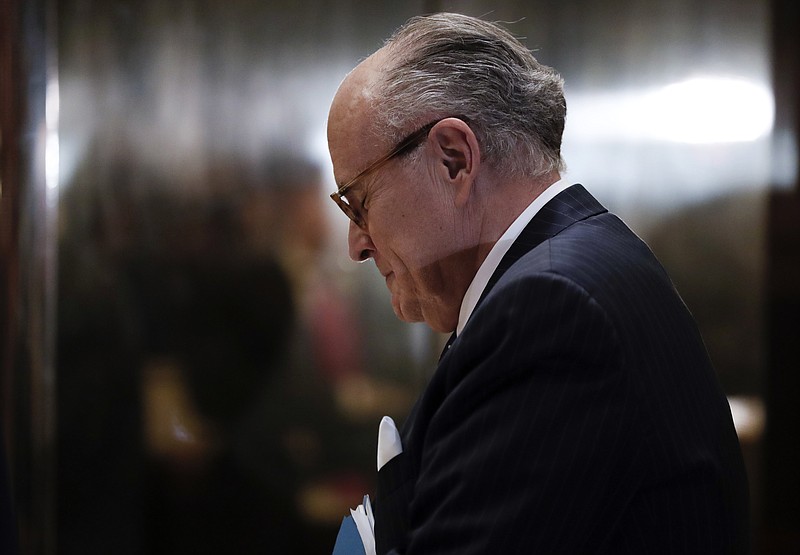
point(574, 409)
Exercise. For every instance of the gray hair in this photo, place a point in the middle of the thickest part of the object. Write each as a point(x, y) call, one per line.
point(455, 65)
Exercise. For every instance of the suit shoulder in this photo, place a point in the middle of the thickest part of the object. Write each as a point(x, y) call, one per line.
point(600, 255)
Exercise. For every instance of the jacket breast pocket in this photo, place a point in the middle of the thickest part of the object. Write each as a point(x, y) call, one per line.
point(392, 498)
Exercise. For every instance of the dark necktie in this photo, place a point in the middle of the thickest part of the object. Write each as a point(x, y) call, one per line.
point(447, 345)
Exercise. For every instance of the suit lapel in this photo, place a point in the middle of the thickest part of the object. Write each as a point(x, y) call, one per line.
point(569, 206)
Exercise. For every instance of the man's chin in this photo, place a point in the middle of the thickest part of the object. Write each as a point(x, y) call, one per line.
point(413, 313)
point(405, 312)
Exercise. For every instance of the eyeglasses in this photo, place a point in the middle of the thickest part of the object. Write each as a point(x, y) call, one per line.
point(403, 147)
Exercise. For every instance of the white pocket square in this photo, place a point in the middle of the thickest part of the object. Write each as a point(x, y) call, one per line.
point(389, 445)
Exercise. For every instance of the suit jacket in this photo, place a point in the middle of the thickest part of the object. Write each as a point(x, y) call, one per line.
point(577, 412)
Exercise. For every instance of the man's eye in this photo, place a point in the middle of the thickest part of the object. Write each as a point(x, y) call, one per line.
point(358, 198)
point(350, 199)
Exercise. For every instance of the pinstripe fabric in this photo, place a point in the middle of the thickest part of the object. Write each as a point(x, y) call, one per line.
point(577, 412)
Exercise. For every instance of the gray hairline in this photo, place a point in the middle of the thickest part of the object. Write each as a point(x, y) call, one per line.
point(508, 150)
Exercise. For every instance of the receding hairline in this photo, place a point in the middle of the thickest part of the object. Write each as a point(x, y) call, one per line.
point(412, 54)
point(400, 46)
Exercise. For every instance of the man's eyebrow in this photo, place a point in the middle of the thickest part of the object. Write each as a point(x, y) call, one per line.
point(340, 182)
point(353, 183)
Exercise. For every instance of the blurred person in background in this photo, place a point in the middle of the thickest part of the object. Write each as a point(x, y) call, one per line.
point(574, 409)
point(328, 398)
point(300, 419)
point(168, 336)
point(225, 323)
point(239, 416)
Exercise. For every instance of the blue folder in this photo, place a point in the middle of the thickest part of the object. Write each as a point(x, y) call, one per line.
point(348, 542)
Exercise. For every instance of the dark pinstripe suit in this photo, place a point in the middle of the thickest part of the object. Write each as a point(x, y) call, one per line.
point(577, 412)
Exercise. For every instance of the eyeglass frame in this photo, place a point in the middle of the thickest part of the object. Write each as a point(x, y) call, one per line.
point(406, 145)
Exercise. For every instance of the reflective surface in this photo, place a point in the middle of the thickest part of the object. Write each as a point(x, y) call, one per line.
point(221, 369)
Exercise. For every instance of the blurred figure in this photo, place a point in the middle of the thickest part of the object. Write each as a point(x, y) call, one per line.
point(574, 409)
point(168, 335)
point(229, 321)
point(327, 398)
point(213, 395)
point(257, 406)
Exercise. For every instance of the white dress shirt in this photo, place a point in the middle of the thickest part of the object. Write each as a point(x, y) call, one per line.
point(481, 279)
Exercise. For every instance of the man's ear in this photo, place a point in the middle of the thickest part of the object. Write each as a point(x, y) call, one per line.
point(457, 156)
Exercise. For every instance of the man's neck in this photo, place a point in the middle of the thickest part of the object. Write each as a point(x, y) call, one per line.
point(490, 262)
point(504, 200)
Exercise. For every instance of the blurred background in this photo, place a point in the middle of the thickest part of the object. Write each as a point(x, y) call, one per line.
point(190, 362)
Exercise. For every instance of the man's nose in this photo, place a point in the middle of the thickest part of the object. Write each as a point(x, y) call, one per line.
point(359, 243)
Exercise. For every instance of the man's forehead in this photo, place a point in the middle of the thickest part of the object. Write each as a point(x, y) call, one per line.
point(358, 86)
point(346, 142)
point(351, 139)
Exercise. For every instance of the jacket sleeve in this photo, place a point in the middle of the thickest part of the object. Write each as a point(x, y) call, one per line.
point(531, 443)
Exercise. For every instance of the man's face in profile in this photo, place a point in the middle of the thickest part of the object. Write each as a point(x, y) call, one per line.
point(408, 229)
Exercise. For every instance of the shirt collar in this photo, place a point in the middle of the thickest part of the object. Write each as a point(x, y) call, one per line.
point(499, 249)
